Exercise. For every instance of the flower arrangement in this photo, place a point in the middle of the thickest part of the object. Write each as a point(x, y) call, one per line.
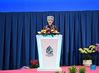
point(48, 31)
point(34, 63)
point(88, 51)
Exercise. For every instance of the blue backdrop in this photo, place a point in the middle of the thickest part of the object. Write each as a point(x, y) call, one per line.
point(47, 5)
point(18, 31)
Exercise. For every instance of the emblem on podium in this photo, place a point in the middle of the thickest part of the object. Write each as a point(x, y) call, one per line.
point(49, 51)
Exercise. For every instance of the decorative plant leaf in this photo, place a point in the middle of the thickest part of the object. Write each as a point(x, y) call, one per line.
point(82, 70)
point(72, 69)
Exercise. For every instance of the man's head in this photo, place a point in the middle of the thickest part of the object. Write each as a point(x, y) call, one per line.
point(50, 20)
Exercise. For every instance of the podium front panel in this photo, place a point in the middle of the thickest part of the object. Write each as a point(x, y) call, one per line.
point(49, 50)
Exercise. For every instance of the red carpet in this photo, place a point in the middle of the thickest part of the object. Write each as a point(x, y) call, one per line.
point(35, 71)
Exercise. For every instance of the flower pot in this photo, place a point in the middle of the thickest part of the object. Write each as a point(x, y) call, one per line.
point(87, 62)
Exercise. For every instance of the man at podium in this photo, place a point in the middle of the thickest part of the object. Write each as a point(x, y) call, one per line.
point(50, 28)
point(50, 20)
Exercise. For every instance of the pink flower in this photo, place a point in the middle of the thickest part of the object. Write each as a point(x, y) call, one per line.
point(48, 31)
point(97, 47)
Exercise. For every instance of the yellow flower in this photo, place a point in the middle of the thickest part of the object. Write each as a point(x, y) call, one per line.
point(52, 30)
point(92, 47)
point(43, 31)
point(82, 50)
point(55, 31)
point(85, 51)
point(39, 32)
point(93, 51)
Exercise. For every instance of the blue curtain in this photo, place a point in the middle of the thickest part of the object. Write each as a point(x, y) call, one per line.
point(18, 30)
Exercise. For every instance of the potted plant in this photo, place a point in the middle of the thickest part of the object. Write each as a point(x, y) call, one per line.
point(87, 57)
point(34, 63)
point(82, 70)
point(72, 69)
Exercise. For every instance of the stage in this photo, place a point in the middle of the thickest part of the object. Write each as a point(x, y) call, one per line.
point(35, 70)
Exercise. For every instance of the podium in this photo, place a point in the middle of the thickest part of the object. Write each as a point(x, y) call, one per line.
point(49, 52)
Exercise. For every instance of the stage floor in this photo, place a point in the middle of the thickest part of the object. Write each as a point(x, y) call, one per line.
point(35, 70)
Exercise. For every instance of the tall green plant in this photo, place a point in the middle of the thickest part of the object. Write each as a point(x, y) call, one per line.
point(72, 69)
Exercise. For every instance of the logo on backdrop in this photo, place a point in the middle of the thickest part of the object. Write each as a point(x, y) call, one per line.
point(49, 51)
